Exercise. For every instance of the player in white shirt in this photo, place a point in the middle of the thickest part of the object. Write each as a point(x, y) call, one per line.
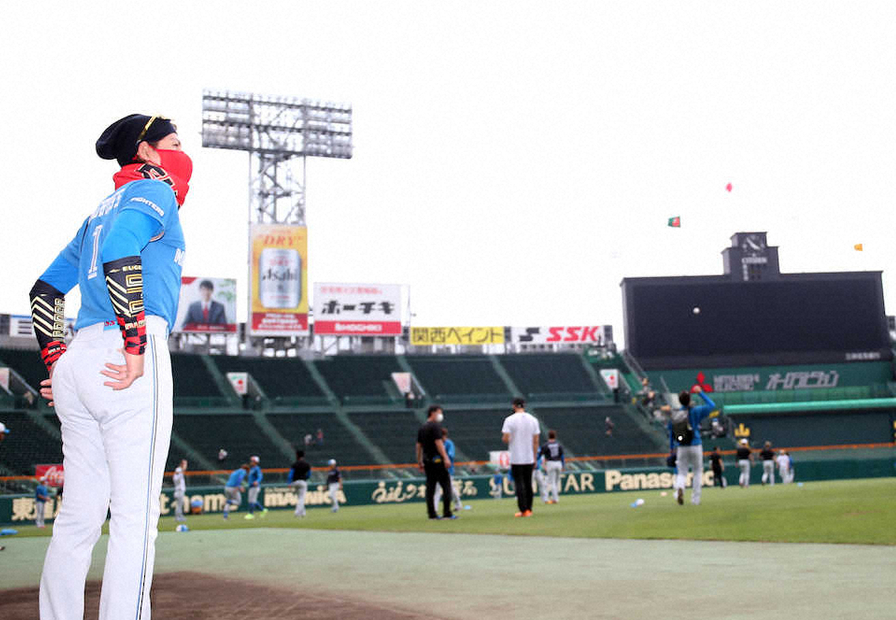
point(783, 461)
point(180, 490)
point(521, 432)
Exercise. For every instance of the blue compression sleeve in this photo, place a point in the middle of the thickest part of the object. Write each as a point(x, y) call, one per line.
point(704, 410)
point(61, 274)
point(130, 233)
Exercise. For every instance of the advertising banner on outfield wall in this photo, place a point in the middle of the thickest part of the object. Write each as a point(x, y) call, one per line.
point(357, 309)
point(574, 334)
point(430, 336)
point(278, 280)
point(18, 509)
point(207, 306)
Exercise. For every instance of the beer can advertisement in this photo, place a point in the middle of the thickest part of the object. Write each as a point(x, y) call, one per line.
point(357, 309)
point(207, 306)
point(279, 280)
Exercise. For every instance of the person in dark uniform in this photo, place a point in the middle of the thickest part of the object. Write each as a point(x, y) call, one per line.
point(744, 461)
point(433, 460)
point(334, 484)
point(718, 467)
point(298, 479)
point(768, 463)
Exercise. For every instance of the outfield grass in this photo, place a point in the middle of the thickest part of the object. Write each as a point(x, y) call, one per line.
point(850, 511)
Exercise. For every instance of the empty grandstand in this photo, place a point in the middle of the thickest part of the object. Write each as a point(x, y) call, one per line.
point(460, 378)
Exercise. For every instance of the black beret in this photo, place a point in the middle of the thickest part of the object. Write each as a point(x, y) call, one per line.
point(120, 139)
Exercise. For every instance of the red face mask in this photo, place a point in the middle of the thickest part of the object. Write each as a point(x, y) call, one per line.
point(175, 169)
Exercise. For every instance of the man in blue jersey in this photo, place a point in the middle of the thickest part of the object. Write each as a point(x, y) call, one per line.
point(233, 489)
point(684, 438)
point(255, 477)
point(41, 497)
point(112, 387)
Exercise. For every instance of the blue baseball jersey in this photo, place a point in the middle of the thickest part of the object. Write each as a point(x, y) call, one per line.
point(449, 450)
point(255, 474)
point(695, 416)
point(236, 478)
point(40, 492)
point(81, 262)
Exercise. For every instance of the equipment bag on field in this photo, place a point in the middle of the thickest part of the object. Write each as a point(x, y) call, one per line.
point(681, 427)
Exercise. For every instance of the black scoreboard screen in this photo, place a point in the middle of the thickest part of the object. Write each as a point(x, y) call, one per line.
point(713, 322)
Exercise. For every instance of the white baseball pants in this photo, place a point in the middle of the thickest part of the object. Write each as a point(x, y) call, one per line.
point(785, 475)
point(540, 482)
point(744, 465)
point(301, 487)
point(334, 495)
point(40, 509)
point(179, 507)
point(455, 496)
point(253, 495)
point(114, 445)
point(691, 457)
point(768, 472)
point(553, 469)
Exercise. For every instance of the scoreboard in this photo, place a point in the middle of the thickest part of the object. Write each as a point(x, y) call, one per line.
point(729, 320)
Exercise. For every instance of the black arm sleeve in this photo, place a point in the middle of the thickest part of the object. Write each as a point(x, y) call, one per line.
point(48, 321)
point(124, 281)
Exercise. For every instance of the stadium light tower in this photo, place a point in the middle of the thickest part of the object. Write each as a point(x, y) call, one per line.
point(276, 130)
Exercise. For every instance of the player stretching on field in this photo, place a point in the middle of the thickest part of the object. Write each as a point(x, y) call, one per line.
point(744, 461)
point(554, 462)
point(684, 432)
point(298, 479)
point(180, 490)
point(768, 463)
point(255, 477)
point(112, 389)
point(233, 489)
point(334, 483)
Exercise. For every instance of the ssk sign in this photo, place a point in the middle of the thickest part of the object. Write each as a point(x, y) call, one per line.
point(591, 334)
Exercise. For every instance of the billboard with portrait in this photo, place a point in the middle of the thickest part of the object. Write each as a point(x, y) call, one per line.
point(207, 306)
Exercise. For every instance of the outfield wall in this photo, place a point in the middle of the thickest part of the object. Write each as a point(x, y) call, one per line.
point(20, 509)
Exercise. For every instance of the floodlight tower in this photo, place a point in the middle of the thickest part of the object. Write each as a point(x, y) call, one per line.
point(275, 131)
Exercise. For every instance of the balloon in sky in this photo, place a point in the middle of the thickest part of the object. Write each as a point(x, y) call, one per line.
point(729, 187)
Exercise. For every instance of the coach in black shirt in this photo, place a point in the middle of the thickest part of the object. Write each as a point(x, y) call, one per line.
point(432, 459)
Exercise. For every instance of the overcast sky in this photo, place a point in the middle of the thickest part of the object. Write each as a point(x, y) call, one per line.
point(513, 161)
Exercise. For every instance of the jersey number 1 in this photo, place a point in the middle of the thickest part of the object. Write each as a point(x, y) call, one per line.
point(91, 273)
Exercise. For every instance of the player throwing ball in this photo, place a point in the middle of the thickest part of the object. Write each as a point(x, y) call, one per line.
point(112, 388)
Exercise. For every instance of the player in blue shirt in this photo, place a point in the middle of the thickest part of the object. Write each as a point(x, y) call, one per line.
point(41, 497)
point(684, 437)
point(255, 477)
point(112, 389)
point(234, 487)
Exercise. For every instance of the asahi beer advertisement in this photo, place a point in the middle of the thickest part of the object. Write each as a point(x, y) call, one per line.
point(279, 280)
point(207, 306)
point(357, 309)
